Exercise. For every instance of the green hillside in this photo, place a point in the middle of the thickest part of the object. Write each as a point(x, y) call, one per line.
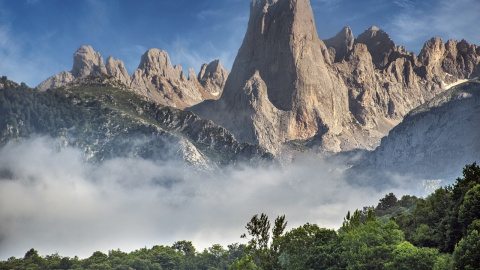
point(106, 120)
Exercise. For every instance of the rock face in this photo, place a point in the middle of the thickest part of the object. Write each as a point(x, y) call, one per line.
point(57, 80)
point(345, 93)
point(280, 87)
point(117, 69)
point(458, 59)
point(213, 78)
point(340, 44)
point(155, 77)
point(287, 85)
point(434, 140)
point(86, 61)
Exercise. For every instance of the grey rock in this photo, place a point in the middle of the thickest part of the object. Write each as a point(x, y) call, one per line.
point(280, 87)
point(155, 77)
point(58, 80)
point(213, 78)
point(342, 43)
point(86, 61)
point(379, 44)
point(116, 68)
point(435, 140)
point(158, 80)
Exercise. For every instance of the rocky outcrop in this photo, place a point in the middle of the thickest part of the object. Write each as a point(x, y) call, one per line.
point(379, 45)
point(458, 59)
point(213, 78)
point(117, 69)
point(155, 77)
point(280, 87)
point(435, 140)
point(57, 80)
point(341, 44)
point(86, 61)
point(158, 80)
point(345, 93)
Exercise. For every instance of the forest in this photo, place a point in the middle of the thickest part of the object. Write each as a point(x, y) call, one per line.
point(437, 232)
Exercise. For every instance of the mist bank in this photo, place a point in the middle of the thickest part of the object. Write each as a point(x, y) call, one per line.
point(54, 201)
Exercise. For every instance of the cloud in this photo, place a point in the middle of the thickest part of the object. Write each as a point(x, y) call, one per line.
point(327, 2)
point(53, 201)
point(446, 19)
point(404, 3)
point(205, 14)
point(23, 58)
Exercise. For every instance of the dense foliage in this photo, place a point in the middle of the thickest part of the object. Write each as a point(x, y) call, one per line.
point(438, 232)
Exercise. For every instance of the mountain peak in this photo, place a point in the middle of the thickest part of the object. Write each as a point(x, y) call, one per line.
point(342, 43)
point(379, 44)
point(86, 61)
point(213, 78)
point(280, 88)
point(157, 61)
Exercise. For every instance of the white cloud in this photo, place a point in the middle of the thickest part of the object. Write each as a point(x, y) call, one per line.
point(404, 3)
point(445, 19)
point(57, 203)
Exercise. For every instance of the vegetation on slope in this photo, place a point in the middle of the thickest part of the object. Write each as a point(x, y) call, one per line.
point(105, 120)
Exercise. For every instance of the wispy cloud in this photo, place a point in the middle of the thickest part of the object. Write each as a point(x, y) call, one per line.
point(446, 19)
point(327, 2)
point(205, 14)
point(19, 65)
point(219, 37)
point(404, 3)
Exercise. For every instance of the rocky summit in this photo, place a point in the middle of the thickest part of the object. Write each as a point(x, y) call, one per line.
point(343, 93)
point(433, 141)
point(155, 77)
point(287, 87)
point(280, 86)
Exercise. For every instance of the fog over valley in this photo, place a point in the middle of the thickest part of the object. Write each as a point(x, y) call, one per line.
point(53, 200)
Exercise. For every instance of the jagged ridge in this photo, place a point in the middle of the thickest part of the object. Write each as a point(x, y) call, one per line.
point(154, 78)
point(286, 84)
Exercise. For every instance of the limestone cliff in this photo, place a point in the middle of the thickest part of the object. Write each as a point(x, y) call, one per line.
point(341, 44)
point(435, 140)
point(280, 87)
point(158, 80)
point(155, 77)
point(213, 78)
point(344, 93)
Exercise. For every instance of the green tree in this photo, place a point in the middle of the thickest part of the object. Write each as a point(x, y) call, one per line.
point(408, 257)
point(470, 209)
point(246, 263)
point(310, 247)
point(262, 246)
point(444, 262)
point(98, 260)
point(369, 245)
point(467, 252)
point(33, 261)
point(425, 236)
point(454, 229)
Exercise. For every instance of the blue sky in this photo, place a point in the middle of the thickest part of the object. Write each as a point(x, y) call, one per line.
point(38, 38)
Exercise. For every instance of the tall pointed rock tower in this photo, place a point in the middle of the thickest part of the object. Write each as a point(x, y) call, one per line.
point(280, 87)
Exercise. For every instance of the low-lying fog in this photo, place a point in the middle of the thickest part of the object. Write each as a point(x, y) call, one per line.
point(53, 201)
